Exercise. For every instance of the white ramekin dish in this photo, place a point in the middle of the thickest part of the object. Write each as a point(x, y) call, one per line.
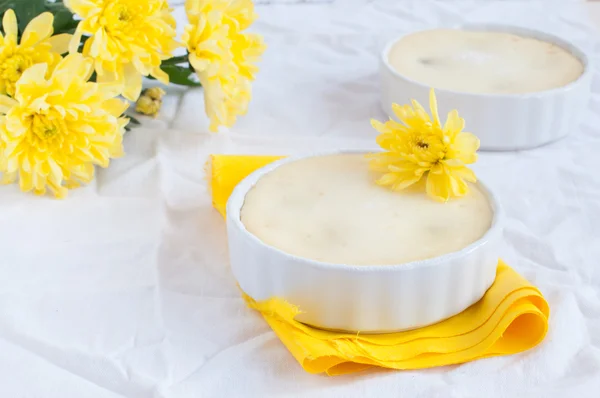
point(501, 121)
point(373, 299)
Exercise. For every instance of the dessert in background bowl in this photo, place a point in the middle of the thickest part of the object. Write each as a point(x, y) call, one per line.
point(483, 61)
point(352, 255)
point(518, 88)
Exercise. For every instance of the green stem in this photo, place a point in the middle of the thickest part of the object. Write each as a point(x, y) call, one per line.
point(176, 60)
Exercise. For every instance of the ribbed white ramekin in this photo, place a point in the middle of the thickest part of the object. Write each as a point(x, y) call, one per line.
point(348, 297)
point(501, 121)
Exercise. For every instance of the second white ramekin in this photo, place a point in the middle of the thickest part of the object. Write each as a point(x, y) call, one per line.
point(501, 121)
point(370, 299)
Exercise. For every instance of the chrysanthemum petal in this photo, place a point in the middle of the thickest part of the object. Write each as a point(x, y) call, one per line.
point(59, 191)
point(39, 28)
point(133, 82)
point(438, 185)
point(400, 165)
point(379, 126)
point(387, 179)
point(401, 112)
point(98, 43)
point(160, 75)
point(464, 147)
point(83, 7)
point(467, 142)
point(76, 39)
point(60, 43)
point(238, 13)
point(108, 77)
point(404, 183)
point(8, 178)
point(25, 181)
point(33, 75)
point(420, 112)
point(199, 64)
point(9, 24)
point(434, 108)
point(109, 90)
point(399, 178)
point(458, 186)
point(75, 65)
point(115, 106)
point(39, 181)
point(380, 161)
point(464, 173)
point(246, 50)
point(454, 124)
point(6, 103)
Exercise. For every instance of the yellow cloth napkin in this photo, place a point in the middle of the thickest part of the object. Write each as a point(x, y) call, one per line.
point(226, 171)
point(511, 317)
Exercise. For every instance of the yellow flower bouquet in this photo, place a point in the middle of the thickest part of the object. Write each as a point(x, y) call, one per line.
point(65, 63)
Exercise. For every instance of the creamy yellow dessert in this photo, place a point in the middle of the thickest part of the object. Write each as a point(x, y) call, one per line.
point(483, 62)
point(328, 208)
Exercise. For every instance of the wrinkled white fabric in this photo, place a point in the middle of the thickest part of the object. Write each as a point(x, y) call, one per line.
point(124, 289)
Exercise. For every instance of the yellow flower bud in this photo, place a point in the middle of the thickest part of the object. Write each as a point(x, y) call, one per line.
point(156, 93)
point(150, 101)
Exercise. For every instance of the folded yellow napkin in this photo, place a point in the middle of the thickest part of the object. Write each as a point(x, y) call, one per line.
point(511, 317)
point(224, 172)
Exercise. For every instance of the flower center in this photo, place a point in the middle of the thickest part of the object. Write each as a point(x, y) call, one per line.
point(12, 68)
point(124, 15)
point(46, 128)
point(422, 142)
point(424, 146)
point(118, 16)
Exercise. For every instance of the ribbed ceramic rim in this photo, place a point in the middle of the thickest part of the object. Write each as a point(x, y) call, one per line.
point(526, 32)
point(236, 202)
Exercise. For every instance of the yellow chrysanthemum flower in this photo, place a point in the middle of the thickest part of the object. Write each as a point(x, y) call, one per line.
point(37, 46)
point(223, 56)
point(208, 45)
point(247, 49)
point(225, 99)
point(128, 39)
point(239, 14)
point(56, 129)
point(420, 147)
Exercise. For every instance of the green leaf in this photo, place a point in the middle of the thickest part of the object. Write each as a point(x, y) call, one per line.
point(6, 4)
point(64, 21)
point(26, 10)
point(180, 59)
point(133, 120)
point(180, 75)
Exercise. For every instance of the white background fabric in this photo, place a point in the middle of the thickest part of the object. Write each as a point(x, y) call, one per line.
point(124, 288)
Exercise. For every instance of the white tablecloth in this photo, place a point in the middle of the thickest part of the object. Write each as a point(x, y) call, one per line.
point(124, 289)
